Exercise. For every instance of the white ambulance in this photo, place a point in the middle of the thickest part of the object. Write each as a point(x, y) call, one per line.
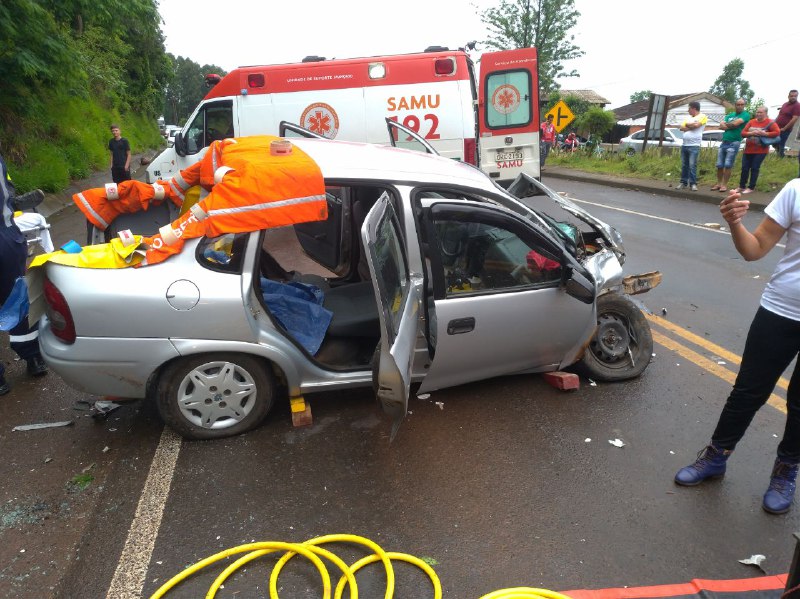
point(492, 123)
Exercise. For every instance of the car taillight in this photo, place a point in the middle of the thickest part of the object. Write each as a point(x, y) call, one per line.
point(58, 312)
point(469, 151)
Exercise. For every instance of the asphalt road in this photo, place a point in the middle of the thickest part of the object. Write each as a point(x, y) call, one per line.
point(502, 483)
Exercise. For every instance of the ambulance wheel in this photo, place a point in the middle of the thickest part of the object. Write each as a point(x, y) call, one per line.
point(210, 396)
point(622, 345)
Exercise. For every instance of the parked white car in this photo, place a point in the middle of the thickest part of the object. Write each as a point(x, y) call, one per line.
point(673, 138)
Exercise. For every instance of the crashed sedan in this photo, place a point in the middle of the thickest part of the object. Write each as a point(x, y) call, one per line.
point(423, 274)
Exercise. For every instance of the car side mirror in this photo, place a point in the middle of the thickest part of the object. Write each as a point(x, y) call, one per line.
point(179, 144)
point(578, 286)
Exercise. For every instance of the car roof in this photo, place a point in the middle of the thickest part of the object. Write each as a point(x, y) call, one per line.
point(352, 160)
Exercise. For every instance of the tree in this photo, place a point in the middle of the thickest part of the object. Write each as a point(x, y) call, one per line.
point(730, 86)
point(596, 121)
point(186, 88)
point(542, 24)
point(640, 95)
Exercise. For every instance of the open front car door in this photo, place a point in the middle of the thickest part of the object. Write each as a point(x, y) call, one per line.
point(403, 137)
point(398, 296)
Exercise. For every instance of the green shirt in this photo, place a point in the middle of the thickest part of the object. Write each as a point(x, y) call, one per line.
point(735, 134)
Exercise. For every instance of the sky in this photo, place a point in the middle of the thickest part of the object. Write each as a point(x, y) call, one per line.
point(674, 47)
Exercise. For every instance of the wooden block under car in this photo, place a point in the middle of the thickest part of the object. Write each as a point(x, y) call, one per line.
point(301, 412)
point(565, 381)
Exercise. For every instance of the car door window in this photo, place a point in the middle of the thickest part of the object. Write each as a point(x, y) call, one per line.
point(391, 271)
point(638, 135)
point(486, 254)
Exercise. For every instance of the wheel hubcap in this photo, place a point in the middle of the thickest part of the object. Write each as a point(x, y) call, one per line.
point(217, 395)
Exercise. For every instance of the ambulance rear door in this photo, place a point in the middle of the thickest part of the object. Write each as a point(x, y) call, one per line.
point(508, 114)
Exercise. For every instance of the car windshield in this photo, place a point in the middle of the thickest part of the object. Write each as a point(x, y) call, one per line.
point(677, 133)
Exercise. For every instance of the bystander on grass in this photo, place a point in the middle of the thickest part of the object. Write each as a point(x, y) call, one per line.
point(68, 140)
point(665, 165)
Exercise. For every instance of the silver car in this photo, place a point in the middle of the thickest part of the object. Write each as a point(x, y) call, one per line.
point(427, 275)
point(673, 138)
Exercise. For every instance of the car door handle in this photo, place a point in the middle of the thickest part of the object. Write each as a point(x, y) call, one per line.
point(460, 325)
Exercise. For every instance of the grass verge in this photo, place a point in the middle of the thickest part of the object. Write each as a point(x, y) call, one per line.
point(665, 165)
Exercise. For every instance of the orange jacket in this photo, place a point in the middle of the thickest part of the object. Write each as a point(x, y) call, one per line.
point(253, 189)
point(102, 205)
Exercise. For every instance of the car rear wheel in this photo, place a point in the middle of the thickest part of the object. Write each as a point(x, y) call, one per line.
point(215, 395)
point(623, 344)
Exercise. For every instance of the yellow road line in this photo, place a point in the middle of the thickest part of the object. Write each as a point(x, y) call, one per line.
point(710, 366)
point(715, 349)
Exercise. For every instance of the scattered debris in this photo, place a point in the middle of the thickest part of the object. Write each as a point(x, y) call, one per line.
point(663, 311)
point(587, 440)
point(440, 405)
point(40, 425)
point(712, 225)
point(592, 383)
point(105, 449)
point(102, 408)
point(48, 460)
point(754, 560)
point(721, 362)
point(89, 467)
point(757, 277)
point(424, 396)
point(616, 442)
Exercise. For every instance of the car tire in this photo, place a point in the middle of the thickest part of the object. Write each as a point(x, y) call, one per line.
point(194, 394)
point(630, 152)
point(622, 345)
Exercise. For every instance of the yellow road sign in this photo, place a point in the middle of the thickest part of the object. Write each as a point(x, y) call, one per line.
point(562, 115)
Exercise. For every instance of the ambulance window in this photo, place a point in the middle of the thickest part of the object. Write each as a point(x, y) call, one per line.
point(509, 99)
point(213, 122)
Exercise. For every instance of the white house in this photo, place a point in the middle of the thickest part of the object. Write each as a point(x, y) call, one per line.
point(715, 108)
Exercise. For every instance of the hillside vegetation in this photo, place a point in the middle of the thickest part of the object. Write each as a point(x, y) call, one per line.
point(69, 69)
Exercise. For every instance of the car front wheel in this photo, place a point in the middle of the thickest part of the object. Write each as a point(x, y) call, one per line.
point(211, 396)
point(622, 345)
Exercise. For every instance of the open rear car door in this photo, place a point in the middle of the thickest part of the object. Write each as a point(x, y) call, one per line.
point(398, 296)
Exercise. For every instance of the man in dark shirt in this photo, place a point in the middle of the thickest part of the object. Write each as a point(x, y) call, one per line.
point(786, 119)
point(120, 156)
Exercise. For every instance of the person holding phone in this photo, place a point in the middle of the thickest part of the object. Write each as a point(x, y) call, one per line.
point(772, 343)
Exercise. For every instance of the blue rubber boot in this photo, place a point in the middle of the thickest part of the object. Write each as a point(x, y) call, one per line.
point(779, 495)
point(710, 463)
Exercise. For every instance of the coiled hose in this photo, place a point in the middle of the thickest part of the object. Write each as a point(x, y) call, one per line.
point(313, 552)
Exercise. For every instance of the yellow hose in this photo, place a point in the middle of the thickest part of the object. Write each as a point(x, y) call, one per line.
point(310, 550)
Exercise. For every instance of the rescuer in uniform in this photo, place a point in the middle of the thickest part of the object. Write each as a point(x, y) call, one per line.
point(13, 257)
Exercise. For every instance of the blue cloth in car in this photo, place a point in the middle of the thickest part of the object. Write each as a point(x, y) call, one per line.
point(298, 308)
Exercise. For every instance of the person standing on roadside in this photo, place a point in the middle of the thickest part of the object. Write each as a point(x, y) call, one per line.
point(13, 262)
point(548, 137)
point(786, 119)
point(692, 128)
point(732, 126)
point(754, 150)
point(772, 343)
point(120, 156)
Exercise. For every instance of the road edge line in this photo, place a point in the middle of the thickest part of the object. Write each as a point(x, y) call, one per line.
point(129, 577)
